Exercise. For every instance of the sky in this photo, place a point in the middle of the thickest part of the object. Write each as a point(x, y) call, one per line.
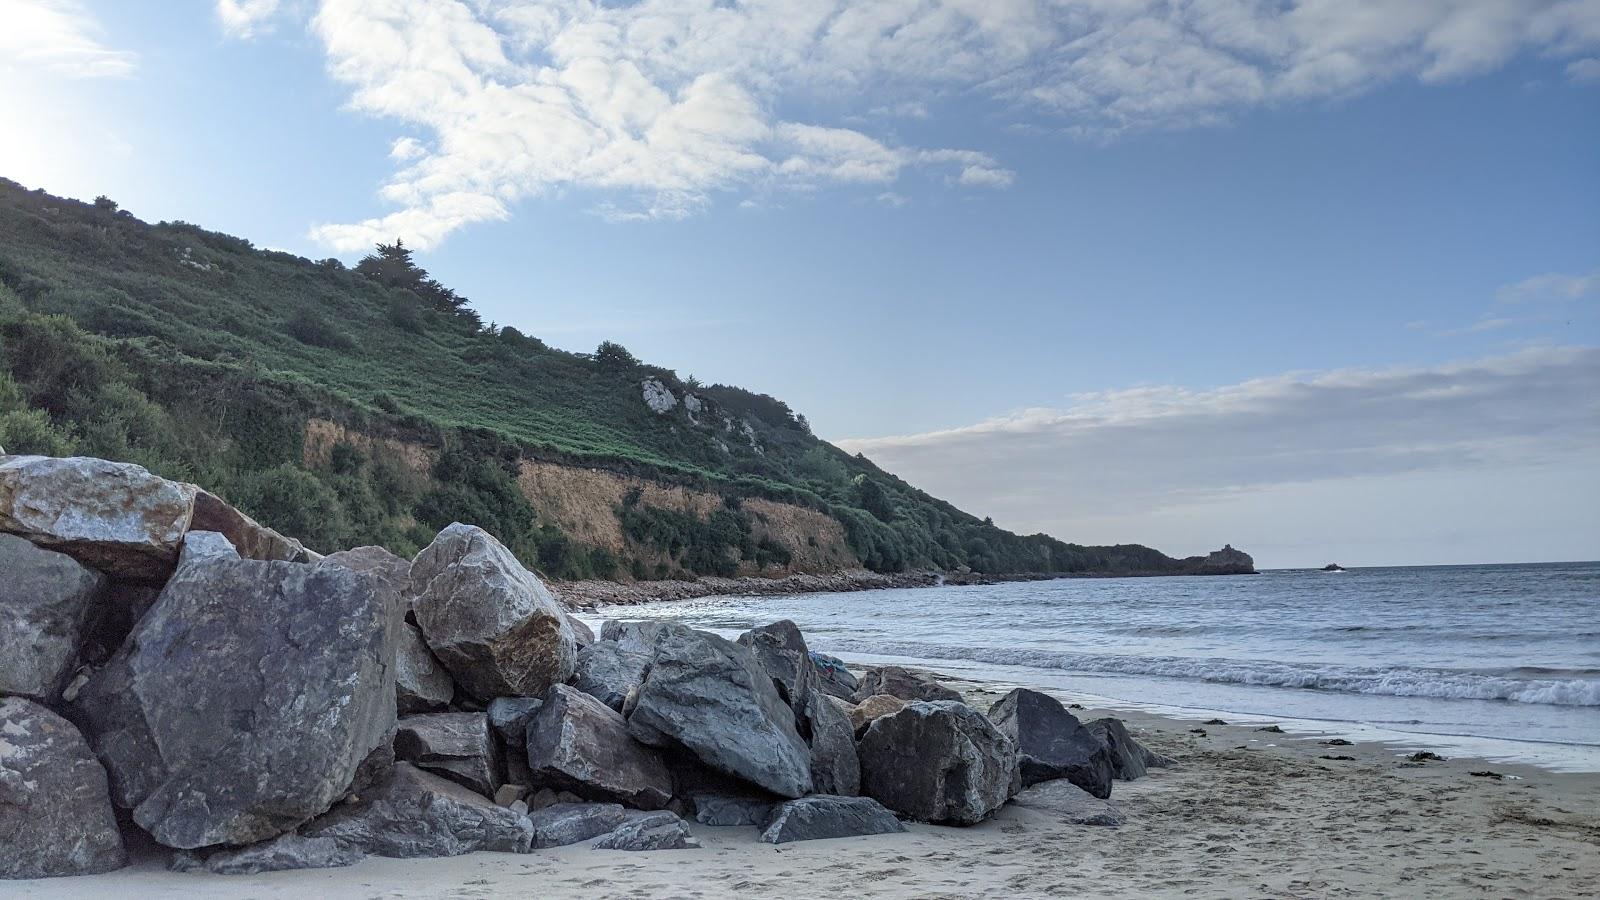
point(1317, 278)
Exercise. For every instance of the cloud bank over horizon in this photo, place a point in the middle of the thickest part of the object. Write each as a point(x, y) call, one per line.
point(660, 106)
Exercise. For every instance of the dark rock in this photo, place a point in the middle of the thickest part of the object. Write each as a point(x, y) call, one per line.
point(725, 811)
point(1226, 561)
point(1337, 742)
point(510, 717)
point(582, 634)
point(249, 538)
point(659, 830)
point(1213, 722)
point(609, 671)
point(1340, 758)
point(823, 816)
point(780, 649)
point(561, 824)
point(835, 766)
point(1066, 802)
point(1422, 756)
point(421, 684)
point(1271, 729)
point(1052, 743)
point(709, 696)
point(1199, 731)
point(1129, 758)
point(544, 798)
point(456, 745)
point(579, 744)
point(282, 853)
point(938, 761)
point(115, 517)
point(246, 700)
point(490, 621)
point(55, 812)
point(908, 686)
point(45, 601)
point(416, 814)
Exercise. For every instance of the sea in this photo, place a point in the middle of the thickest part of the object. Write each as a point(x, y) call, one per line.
point(1500, 662)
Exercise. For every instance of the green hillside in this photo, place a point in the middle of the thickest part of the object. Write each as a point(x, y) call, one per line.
point(204, 358)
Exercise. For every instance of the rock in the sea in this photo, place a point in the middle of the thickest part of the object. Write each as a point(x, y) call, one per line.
point(249, 538)
point(457, 745)
point(898, 682)
point(938, 761)
point(822, 816)
point(780, 649)
point(45, 601)
point(417, 814)
point(609, 671)
point(660, 830)
point(510, 716)
point(561, 824)
point(490, 621)
point(725, 810)
point(709, 696)
point(421, 685)
point(1064, 801)
point(1052, 743)
point(1129, 758)
point(579, 744)
point(246, 701)
point(55, 812)
point(115, 517)
point(872, 709)
point(282, 853)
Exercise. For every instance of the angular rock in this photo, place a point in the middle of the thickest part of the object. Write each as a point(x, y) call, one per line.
point(898, 682)
point(390, 570)
point(938, 761)
point(637, 636)
point(200, 545)
point(834, 679)
point(649, 831)
point(1064, 801)
point(45, 601)
point(115, 517)
point(561, 824)
point(1129, 759)
point(510, 716)
point(582, 634)
point(1052, 743)
point(725, 811)
point(421, 684)
point(250, 538)
point(282, 853)
point(872, 709)
point(835, 766)
point(608, 671)
point(710, 697)
point(822, 816)
point(780, 649)
point(246, 701)
point(416, 814)
point(579, 744)
point(458, 746)
point(490, 621)
point(55, 813)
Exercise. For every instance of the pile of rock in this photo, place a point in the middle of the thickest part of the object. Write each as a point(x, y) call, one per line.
point(171, 666)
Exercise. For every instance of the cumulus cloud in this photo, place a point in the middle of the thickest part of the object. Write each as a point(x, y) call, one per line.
point(58, 36)
point(243, 18)
point(1138, 454)
point(665, 104)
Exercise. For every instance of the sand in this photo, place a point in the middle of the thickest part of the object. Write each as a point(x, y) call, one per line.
point(1244, 814)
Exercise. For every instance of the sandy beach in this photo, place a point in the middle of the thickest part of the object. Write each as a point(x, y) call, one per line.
point(1245, 813)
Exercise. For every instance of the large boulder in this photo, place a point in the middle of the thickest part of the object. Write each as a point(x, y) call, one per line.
point(659, 830)
point(456, 745)
point(1062, 801)
point(392, 571)
point(421, 685)
point(45, 600)
point(835, 766)
point(821, 816)
point(282, 853)
point(247, 700)
point(490, 621)
point(780, 649)
point(1052, 743)
point(637, 636)
point(872, 709)
point(938, 761)
point(906, 685)
point(115, 517)
point(1129, 758)
point(561, 824)
point(55, 814)
point(710, 697)
point(609, 672)
point(250, 538)
point(579, 744)
point(725, 810)
point(415, 814)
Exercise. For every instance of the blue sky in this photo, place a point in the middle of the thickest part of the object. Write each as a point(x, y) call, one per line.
point(1114, 244)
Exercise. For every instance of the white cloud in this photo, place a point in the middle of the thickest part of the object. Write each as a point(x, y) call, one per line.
point(665, 104)
point(1111, 465)
point(244, 18)
point(58, 36)
point(1551, 286)
point(1584, 71)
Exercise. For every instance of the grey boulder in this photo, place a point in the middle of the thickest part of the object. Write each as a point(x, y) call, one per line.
point(780, 649)
point(639, 637)
point(579, 744)
point(938, 761)
point(897, 682)
point(1062, 801)
point(390, 570)
point(115, 517)
point(1052, 743)
point(45, 600)
point(561, 824)
point(1129, 759)
point(55, 813)
point(609, 671)
point(835, 764)
point(709, 696)
point(510, 716)
point(822, 816)
point(660, 830)
point(723, 810)
point(456, 745)
point(489, 620)
point(421, 683)
point(415, 814)
point(247, 700)
point(282, 853)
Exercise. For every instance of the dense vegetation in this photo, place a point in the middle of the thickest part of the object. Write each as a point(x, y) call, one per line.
point(203, 358)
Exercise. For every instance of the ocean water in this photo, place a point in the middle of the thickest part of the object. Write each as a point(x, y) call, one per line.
point(1495, 661)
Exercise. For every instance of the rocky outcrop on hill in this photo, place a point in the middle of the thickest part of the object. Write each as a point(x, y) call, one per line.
point(1226, 561)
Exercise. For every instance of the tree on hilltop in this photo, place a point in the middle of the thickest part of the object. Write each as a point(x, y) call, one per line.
point(392, 265)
